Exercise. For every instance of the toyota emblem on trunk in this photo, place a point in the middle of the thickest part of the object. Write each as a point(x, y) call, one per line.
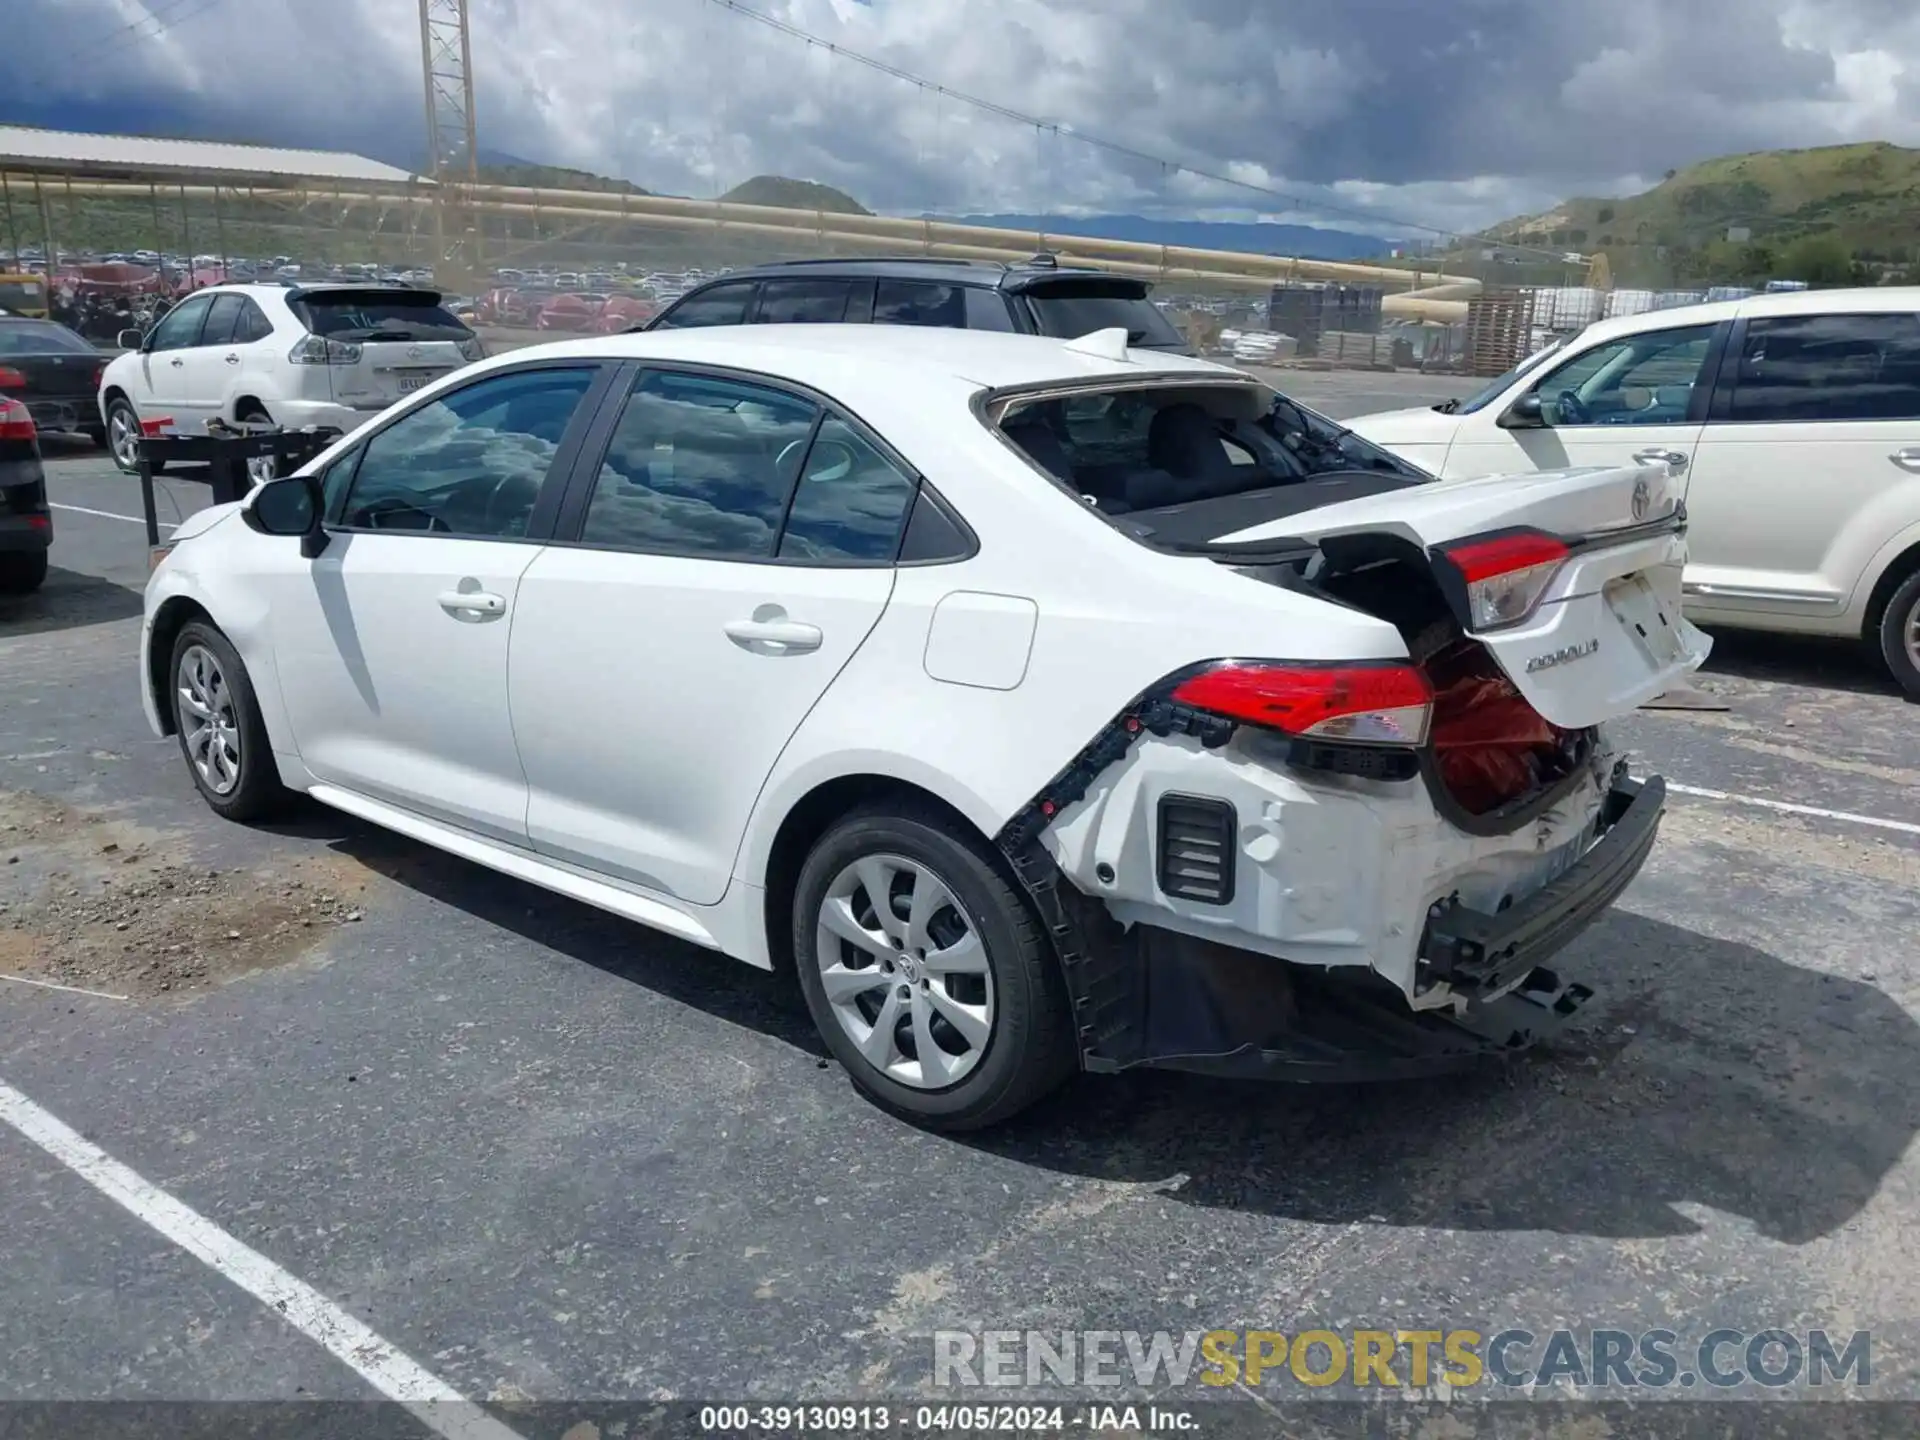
point(1642, 499)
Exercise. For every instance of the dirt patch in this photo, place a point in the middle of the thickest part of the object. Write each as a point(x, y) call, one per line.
point(111, 915)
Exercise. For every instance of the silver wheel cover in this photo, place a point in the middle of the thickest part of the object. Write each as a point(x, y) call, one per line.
point(905, 971)
point(209, 727)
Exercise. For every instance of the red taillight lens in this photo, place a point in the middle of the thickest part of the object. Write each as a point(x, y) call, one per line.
point(12, 379)
point(15, 422)
point(1387, 704)
point(1505, 575)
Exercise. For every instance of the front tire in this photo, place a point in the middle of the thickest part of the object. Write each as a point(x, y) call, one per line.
point(1900, 635)
point(929, 978)
point(22, 571)
point(217, 718)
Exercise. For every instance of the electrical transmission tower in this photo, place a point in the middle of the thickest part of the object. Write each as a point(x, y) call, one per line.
point(446, 55)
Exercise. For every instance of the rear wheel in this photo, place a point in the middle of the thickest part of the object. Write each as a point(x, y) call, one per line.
point(1900, 635)
point(218, 721)
point(263, 469)
point(123, 436)
point(928, 977)
point(22, 571)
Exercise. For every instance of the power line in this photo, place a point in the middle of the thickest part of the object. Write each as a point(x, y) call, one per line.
point(1112, 147)
point(119, 36)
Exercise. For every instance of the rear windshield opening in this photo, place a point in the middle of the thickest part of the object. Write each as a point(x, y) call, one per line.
point(365, 318)
point(1068, 309)
point(1185, 463)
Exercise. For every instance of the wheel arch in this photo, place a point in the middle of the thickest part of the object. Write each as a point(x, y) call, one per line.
point(774, 862)
point(1893, 574)
point(174, 614)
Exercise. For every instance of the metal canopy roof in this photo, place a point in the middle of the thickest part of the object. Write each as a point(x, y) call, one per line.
point(139, 157)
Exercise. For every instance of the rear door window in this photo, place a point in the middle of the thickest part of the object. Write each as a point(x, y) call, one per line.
point(1829, 368)
point(699, 465)
point(722, 305)
point(920, 302)
point(803, 302)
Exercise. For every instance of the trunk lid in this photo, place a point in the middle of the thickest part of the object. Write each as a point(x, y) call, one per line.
point(1607, 634)
point(405, 338)
point(391, 370)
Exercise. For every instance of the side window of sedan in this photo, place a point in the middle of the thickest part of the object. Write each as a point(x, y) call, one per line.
point(470, 462)
point(1644, 379)
point(699, 465)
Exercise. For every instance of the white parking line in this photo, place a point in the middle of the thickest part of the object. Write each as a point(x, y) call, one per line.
point(1904, 827)
point(107, 515)
point(67, 989)
point(436, 1404)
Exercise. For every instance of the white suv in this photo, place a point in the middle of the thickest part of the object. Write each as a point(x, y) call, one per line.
point(271, 354)
point(1793, 420)
point(1044, 704)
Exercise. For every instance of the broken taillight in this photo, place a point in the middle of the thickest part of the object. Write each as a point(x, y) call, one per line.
point(1375, 704)
point(1502, 577)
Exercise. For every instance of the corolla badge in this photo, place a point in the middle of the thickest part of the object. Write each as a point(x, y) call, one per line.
point(1642, 499)
point(1564, 656)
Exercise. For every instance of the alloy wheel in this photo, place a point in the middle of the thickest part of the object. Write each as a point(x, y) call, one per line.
point(905, 971)
point(1911, 634)
point(210, 728)
point(123, 435)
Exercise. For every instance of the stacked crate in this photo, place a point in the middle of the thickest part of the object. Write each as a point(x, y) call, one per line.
point(1499, 331)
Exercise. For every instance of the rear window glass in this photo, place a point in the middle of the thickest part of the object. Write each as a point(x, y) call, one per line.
point(22, 294)
point(40, 338)
point(1068, 311)
point(371, 318)
point(1148, 447)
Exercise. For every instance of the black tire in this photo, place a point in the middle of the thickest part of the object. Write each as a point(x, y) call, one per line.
point(122, 408)
point(22, 571)
point(1900, 635)
point(1029, 1049)
point(257, 793)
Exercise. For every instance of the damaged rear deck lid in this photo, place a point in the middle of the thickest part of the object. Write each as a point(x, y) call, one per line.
point(1109, 344)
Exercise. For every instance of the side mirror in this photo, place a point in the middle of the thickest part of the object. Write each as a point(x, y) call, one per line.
point(293, 506)
point(1526, 413)
point(130, 339)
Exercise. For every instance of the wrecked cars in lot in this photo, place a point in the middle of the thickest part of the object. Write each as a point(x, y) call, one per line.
point(1042, 704)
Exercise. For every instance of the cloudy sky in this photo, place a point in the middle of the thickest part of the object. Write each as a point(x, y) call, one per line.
point(1370, 113)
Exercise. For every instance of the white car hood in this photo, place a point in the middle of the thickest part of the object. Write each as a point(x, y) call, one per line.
point(1421, 425)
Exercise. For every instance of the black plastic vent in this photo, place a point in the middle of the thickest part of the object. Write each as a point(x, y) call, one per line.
point(1196, 844)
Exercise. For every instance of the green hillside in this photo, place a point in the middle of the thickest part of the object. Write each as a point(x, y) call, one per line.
point(1817, 209)
point(795, 195)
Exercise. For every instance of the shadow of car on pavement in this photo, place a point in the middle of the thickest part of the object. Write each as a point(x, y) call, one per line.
point(1708, 1073)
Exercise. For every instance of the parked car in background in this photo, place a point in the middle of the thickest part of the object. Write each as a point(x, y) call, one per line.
point(24, 293)
point(1040, 297)
point(623, 312)
point(568, 312)
point(26, 524)
point(291, 356)
point(55, 374)
point(1043, 705)
point(1792, 422)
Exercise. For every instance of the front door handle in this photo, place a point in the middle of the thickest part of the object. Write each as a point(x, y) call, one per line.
point(176, 363)
point(1907, 459)
point(774, 637)
point(479, 602)
point(1674, 460)
point(233, 359)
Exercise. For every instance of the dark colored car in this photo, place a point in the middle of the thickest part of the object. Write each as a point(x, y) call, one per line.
point(26, 526)
point(55, 373)
point(1038, 297)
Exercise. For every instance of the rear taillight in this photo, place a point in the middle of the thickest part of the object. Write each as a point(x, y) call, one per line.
point(1373, 704)
point(472, 349)
point(15, 421)
point(1503, 576)
point(11, 379)
point(318, 350)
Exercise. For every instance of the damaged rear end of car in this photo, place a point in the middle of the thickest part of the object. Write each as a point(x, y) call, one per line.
point(1324, 870)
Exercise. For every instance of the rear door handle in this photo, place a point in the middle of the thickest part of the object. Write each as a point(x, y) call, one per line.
point(1672, 459)
point(479, 602)
point(233, 359)
point(176, 363)
point(1907, 459)
point(780, 637)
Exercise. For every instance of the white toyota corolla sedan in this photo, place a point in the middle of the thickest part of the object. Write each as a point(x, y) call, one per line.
point(1041, 705)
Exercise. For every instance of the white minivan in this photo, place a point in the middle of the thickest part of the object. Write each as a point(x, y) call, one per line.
point(1793, 421)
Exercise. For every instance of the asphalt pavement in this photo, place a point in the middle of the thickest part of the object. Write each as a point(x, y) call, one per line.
point(548, 1155)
